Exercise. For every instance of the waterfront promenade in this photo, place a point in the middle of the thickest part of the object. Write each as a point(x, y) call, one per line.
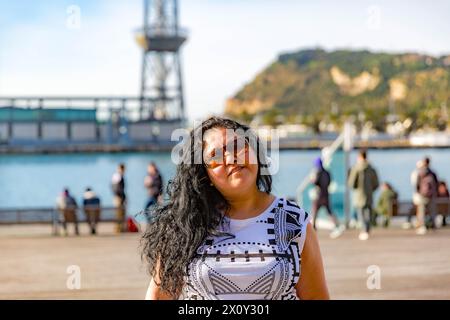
point(34, 264)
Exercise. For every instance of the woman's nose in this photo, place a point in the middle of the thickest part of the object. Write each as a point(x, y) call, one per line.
point(229, 158)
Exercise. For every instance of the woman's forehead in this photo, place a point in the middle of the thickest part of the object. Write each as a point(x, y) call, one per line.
point(215, 136)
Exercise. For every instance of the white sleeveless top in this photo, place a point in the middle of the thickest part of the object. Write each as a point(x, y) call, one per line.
point(261, 261)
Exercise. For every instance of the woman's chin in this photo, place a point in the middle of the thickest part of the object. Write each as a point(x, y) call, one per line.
point(240, 180)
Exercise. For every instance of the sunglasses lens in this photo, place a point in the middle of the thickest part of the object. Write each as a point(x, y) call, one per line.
point(238, 147)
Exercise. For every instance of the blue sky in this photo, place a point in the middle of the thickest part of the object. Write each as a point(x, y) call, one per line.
point(230, 41)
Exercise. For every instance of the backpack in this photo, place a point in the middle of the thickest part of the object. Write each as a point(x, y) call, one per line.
point(70, 202)
point(118, 185)
point(427, 185)
point(131, 225)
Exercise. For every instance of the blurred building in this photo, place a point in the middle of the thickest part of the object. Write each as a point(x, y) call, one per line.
point(107, 124)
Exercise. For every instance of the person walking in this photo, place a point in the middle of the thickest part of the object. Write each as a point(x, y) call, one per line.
point(92, 207)
point(321, 179)
point(118, 188)
point(67, 206)
point(363, 179)
point(153, 182)
point(427, 189)
point(415, 195)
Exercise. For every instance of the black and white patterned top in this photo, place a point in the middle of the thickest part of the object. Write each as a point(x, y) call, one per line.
point(261, 261)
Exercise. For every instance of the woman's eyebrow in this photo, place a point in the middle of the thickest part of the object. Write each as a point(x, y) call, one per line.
point(235, 141)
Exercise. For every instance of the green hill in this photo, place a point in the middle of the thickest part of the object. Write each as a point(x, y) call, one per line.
point(311, 85)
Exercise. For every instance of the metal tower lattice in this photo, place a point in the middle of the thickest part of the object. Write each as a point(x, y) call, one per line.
point(161, 78)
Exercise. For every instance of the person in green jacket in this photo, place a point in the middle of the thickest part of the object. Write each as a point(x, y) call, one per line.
point(385, 204)
point(363, 179)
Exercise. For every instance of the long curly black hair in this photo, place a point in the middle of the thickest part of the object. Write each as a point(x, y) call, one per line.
point(193, 212)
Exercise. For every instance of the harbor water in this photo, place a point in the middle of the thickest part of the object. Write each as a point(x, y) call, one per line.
point(33, 181)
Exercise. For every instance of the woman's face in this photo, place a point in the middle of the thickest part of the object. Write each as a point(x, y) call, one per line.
point(231, 163)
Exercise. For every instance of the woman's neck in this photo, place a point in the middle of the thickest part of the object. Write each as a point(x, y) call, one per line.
point(249, 205)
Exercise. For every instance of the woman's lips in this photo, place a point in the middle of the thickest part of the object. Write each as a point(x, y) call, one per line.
point(236, 169)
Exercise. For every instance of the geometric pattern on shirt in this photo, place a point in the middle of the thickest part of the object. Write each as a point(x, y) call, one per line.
point(284, 225)
point(287, 227)
point(264, 285)
point(293, 206)
point(275, 283)
point(223, 285)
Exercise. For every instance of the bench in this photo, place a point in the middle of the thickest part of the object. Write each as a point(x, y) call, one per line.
point(407, 208)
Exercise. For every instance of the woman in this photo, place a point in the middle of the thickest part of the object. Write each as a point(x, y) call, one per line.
point(222, 234)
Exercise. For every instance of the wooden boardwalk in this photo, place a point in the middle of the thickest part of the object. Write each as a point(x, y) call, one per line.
point(34, 264)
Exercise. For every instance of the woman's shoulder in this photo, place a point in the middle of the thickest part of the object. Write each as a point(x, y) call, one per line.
point(291, 207)
point(289, 223)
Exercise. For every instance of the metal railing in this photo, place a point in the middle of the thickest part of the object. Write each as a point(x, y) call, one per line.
point(50, 216)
